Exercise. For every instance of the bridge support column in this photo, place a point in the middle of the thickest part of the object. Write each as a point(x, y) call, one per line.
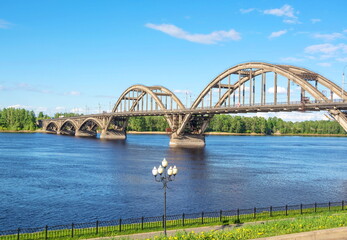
point(340, 117)
point(113, 135)
point(187, 141)
point(85, 134)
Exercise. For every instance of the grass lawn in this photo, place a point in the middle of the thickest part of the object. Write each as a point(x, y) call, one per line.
point(267, 229)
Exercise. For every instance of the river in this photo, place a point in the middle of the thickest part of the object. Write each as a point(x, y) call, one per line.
point(53, 179)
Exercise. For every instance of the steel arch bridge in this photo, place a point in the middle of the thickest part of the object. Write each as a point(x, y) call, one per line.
point(245, 88)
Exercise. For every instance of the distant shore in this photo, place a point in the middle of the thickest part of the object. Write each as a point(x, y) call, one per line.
point(206, 133)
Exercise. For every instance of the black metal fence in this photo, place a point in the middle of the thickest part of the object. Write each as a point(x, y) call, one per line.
point(133, 225)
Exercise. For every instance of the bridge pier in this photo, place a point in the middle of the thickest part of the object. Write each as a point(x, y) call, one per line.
point(113, 135)
point(68, 133)
point(85, 134)
point(340, 117)
point(187, 141)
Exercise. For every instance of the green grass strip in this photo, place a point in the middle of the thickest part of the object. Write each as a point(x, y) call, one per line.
point(267, 229)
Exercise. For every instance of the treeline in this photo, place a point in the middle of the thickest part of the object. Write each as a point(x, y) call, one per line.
point(148, 123)
point(17, 119)
point(13, 119)
point(20, 119)
point(238, 124)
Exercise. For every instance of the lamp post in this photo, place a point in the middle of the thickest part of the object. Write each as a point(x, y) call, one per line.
point(161, 175)
point(343, 83)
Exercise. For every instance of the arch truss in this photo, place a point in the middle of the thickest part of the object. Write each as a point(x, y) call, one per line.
point(263, 84)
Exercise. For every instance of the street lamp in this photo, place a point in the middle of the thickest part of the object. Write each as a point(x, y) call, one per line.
point(343, 82)
point(160, 175)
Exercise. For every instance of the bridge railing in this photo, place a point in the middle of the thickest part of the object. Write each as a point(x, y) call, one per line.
point(237, 105)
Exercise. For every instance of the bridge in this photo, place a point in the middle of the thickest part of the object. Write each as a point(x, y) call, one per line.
point(245, 88)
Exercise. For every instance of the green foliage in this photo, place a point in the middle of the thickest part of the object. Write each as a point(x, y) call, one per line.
point(148, 123)
point(42, 116)
point(237, 124)
point(17, 119)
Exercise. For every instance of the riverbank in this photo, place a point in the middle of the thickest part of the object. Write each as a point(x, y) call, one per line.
point(22, 131)
point(206, 133)
point(244, 134)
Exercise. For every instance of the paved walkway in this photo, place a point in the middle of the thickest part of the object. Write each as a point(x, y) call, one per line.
point(327, 234)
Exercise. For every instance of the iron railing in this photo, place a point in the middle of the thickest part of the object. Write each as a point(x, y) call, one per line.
point(131, 225)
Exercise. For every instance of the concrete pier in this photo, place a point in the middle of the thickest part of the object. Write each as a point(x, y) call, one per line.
point(187, 141)
point(113, 135)
point(85, 134)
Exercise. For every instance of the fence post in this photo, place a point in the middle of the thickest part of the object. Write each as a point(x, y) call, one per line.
point(270, 211)
point(163, 221)
point(254, 212)
point(18, 233)
point(120, 224)
point(301, 208)
point(220, 215)
point(202, 217)
point(46, 232)
point(97, 227)
point(286, 210)
point(183, 219)
point(72, 225)
point(329, 206)
point(343, 205)
point(142, 220)
point(238, 215)
point(315, 207)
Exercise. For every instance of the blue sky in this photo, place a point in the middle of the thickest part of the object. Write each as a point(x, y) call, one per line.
point(81, 55)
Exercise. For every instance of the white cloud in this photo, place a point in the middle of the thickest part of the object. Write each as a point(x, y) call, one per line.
point(182, 91)
point(326, 48)
point(212, 38)
point(30, 88)
point(328, 37)
point(30, 108)
point(324, 64)
point(291, 21)
point(17, 106)
point(73, 93)
point(285, 11)
point(248, 10)
point(78, 110)
point(280, 90)
point(344, 59)
point(59, 109)
point(278, 34)
point(4, 24)
point(295, 116)
point(315, 20)
point(292, 59)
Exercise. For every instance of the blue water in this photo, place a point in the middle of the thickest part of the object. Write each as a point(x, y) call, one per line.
point(53, 179)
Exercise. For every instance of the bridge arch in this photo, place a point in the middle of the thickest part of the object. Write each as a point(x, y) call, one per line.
point(247, 72)
point(143, 98)
point(95, 121)
point(69, 126)
point(52, 127)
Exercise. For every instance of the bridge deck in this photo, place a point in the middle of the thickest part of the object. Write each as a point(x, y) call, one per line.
point(284, 107)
